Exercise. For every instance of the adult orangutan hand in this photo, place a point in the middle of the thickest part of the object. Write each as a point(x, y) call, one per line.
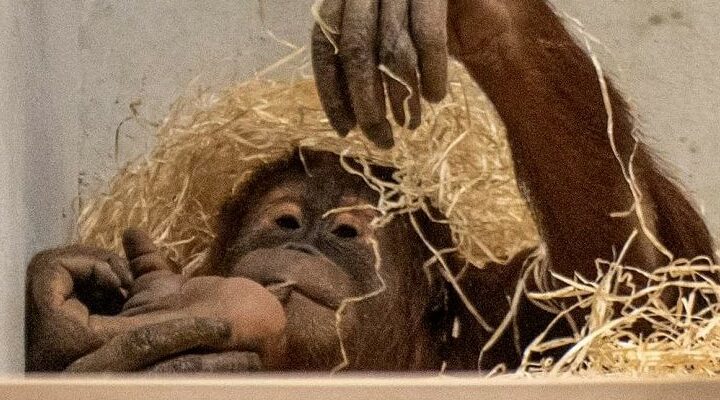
point(64, 286)
point(169, 323)
point(359, 44)
point(229, 324)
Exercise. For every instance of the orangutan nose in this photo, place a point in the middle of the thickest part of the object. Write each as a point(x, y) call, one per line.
point(303, 248)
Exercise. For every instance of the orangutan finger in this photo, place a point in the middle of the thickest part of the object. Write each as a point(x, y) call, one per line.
point(151, 262)
point(121, 268)
point(137, 243)
point(102, 292)
point(398, 61)
point(232, 361)
point(143, 255)
point(80, 259)
point(104, 277)
point(329, 77)
point(357, 51)
point(150, 344)
point(53, 284)
point(328, 16)
point(331, 84)
point(429, 31)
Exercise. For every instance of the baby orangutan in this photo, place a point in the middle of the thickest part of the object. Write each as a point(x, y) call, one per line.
point(280, 232)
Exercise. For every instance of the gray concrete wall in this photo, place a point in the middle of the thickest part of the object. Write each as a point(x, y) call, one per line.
point(13, 212)
point(665, 55)
point(70, 69)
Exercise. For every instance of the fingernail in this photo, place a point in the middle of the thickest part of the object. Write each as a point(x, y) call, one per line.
point(380, 134)
point(342, 125)
point(342, 131)
point(415, 121)
point(433, 89)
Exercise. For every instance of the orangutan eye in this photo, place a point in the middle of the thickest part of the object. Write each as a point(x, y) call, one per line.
point(288, 222)
point(345, 231)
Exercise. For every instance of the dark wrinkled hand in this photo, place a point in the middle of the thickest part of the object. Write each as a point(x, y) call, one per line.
point(65, 286)
point(359, 44)
point(231, 323)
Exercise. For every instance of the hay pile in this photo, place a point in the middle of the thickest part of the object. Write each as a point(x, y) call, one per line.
point(212, 142)
point(685, 338)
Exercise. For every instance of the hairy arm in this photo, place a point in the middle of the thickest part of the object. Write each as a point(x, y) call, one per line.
point(573, 166)
point(572, 161)
point(570, 166)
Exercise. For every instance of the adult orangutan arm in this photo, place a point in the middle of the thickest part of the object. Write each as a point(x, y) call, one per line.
point(571, 160)
point(572, 168)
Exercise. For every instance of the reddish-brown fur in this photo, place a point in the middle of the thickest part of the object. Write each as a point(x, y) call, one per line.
point(547, 91)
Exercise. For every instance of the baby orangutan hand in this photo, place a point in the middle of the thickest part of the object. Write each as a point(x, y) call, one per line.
point(352, 38)
point(172, 323)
